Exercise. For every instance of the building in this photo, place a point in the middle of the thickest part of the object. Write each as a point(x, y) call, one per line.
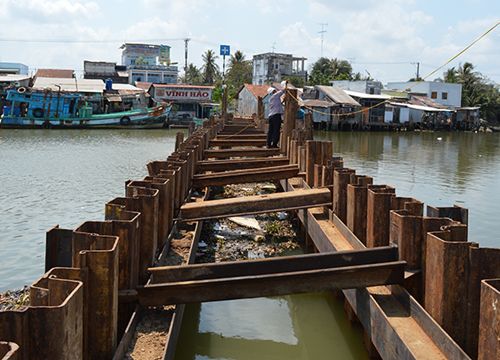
point(443, 93)
point(273, 67)
point(248, 96)
point(149, 63)
point(188, 101)
point(373, 106)
point(13, 68)
point(333, 107)
point(361, 86)
point(55, 73)
point(105, 70)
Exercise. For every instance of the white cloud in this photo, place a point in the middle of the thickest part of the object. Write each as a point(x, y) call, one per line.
point(42, 9)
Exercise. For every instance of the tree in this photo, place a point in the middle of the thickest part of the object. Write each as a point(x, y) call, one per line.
point(239, 71)
point(325, 70)
point(476, 90)
point(192, 75)
point(210, 67)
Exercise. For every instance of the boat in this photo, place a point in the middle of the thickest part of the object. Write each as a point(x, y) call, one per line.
point(56, 109)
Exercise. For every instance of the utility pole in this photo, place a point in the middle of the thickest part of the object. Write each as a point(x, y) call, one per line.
point(418, 69)
point(186, 41)
point(322, 32)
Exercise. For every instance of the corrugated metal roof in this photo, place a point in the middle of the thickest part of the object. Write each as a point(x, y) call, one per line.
point(318, 103)
point(420, 107)
point(55, 73)
point(183, 86)
point(337, 95)
point(70, 85)
point(367, 96)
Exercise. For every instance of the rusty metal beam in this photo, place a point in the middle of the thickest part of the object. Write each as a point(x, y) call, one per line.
point(320, 279)
point(238, 142)
point(281, 264)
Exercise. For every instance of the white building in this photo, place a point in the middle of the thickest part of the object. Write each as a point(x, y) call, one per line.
point(443, 93)
point(272, 67)
point(248, 98)
point(149, 63)
point(361, 86)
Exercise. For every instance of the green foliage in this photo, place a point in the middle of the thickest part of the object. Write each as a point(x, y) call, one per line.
point(296, 81)
point(476, 90)
point(192, 76)
point(325, 70)
point(210, 67)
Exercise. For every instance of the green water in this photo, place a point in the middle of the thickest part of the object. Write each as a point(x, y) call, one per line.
point(304, 326)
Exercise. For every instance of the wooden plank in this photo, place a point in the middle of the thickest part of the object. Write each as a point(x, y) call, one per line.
point(238, 142)
point(251, 163)
point(272, 265)
point(255, 204)
point(346, 277)
point(228, 153)
point(245, 176)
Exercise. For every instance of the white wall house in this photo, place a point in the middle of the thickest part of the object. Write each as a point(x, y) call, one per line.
point(362, 86)
point(443, 93)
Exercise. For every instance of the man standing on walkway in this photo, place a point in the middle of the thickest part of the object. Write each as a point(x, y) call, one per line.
point(275, 112)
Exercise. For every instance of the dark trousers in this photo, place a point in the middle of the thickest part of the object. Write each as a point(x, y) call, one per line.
point(273, 134)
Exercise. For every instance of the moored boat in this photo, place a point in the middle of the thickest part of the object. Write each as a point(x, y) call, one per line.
point(48, 109)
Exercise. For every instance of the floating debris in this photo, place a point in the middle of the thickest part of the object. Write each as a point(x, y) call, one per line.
point(248, 221)
point(15, 299)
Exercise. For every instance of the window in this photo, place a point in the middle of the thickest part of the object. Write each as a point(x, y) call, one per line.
point(444, 96)
point(434, 95)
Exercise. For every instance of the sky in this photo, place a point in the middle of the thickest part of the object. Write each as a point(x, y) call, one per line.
point(384, 38)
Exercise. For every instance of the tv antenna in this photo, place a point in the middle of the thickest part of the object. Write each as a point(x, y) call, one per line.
point(322, 32)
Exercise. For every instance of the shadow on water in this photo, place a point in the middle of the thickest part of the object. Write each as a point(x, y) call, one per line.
point(440, 169)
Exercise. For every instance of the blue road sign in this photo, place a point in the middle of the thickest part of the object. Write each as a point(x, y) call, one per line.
point(225, 50)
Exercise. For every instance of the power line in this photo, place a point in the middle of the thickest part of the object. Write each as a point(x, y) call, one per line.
point(463, 50)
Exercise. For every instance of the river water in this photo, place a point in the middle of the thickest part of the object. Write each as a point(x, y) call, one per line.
point(50, 177)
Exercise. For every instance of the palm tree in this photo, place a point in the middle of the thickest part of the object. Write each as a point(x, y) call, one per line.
point(210, 67)
point(192, 75)
point(450, 76)
point(237, 58)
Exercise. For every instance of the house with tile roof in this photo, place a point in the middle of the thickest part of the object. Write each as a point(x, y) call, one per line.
point(247, 97)
point(55, 73)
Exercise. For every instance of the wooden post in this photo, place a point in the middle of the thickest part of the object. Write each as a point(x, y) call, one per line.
point(224, 103)
point(260, 113)
point(308, 125)
point(313, 153)
point(291, 107)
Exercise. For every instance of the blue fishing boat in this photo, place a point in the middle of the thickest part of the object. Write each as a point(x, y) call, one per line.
point(56, 109)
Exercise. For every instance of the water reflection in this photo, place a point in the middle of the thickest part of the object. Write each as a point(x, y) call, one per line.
point(439, 169)
point(303, 326)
